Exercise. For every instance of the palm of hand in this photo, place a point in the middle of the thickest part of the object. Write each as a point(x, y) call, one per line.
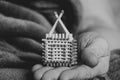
point(94, 55)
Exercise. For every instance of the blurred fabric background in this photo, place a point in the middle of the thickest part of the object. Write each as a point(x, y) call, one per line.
point(115, 5)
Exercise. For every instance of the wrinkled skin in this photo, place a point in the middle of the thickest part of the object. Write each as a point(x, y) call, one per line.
point(93, 39)
point(95, 56)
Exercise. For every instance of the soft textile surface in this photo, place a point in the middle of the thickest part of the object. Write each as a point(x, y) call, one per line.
point(114, 71)
point(16, 58)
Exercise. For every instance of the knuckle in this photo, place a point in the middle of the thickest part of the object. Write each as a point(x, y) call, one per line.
point(102, 48)
point(87, 38)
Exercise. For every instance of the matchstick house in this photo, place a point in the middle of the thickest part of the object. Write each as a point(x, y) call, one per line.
point(59, 49)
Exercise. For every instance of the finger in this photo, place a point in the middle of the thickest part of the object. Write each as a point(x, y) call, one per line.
point(16, 27)
point(22, 13)
point(89, 58)
point(94, 52)
point(85, 72)
point(24, 55)
point(36, 67)
point(26, 44)
point(39, 73)
point(54, 73)
point(92, 48)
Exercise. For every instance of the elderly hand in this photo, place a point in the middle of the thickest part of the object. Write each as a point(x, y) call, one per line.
point(92, 50)
point(22, 27)
point(94, 55)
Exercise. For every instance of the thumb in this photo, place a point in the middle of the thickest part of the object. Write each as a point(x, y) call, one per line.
point(89, 58)
point(92, 47)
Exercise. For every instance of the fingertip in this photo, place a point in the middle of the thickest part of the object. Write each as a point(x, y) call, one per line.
point(36, 67)
point(54, 74)
point(38, 74)
point(89, 58)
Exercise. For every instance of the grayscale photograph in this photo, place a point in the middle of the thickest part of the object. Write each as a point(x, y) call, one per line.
point(59, 39)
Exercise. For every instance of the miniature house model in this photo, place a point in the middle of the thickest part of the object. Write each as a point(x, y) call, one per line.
point(59, 49)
